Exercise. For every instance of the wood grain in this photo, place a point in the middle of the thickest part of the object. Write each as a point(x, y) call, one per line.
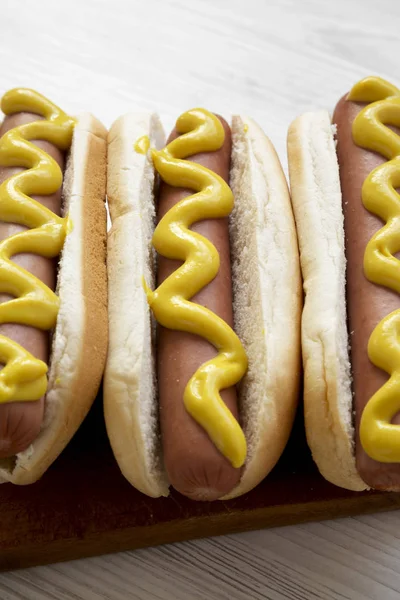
point(84, 507)
point(272, 60)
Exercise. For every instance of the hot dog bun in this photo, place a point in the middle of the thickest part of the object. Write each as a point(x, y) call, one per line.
point(79, 342)
point(345, 188)
point(317, 203)
point(265, 267)
point(129, 388)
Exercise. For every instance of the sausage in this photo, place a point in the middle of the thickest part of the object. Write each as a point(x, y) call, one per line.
point(194, 465)
point(20, 422)
point(367, 303)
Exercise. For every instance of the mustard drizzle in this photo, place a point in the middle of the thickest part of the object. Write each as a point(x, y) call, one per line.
point(202, 132)
point(23, 377)
point(142, 144)
point(379, 437)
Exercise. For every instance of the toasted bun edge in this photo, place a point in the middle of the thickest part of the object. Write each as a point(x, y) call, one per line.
point(317, 202)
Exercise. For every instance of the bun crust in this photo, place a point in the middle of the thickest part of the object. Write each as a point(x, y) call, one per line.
point(267, 298)
point(130, 391)
point(317, 203)
point(79, 344)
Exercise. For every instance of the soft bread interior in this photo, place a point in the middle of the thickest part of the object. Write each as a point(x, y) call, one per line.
point(130, 394)
point(267, 298)
point(80, 339)
point(317, 201)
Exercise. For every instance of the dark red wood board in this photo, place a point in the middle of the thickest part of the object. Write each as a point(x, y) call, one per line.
point(83, 506)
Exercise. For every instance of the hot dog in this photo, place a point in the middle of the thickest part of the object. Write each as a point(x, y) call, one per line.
point(180, 354)
point(346, 195)
point(53, 294)
point(20, 422)
point(202, 373)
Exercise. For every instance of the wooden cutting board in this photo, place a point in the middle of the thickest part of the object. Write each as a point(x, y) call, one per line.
point(84, 507)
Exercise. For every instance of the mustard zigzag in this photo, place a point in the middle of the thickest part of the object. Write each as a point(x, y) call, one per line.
point(33, 303)
point(379, 437)
point(170, 303)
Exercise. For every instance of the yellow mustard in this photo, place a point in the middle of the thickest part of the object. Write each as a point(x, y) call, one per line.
point(213, 199)
point(23, 377)
point(142, 144)
point(379, 437)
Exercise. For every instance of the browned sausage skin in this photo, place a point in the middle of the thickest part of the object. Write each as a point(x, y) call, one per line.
point(367, 303)
point(20, 422)
point(194, 465)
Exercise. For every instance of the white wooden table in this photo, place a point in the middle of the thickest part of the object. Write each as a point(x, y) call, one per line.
point(272, 60)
